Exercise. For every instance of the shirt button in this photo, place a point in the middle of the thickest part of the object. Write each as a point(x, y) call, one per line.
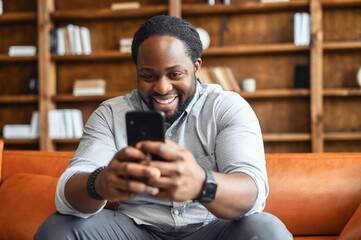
point(170, 134)
point(176, 212)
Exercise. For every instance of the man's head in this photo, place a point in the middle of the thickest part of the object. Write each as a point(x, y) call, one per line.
point(167, 53)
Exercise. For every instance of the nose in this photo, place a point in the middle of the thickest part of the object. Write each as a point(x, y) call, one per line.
point(162, 86)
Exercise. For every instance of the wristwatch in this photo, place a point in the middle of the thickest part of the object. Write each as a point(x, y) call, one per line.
point(209, 189)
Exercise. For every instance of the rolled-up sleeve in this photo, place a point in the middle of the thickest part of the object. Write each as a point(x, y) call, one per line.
point(239, 145)
point(96, 148)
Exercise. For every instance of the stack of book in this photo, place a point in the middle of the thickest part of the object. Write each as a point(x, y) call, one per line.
point(71, 39)
point(23, 131)
point(22, 51)
point(220, 75)
point(302, 32)
point(65, 123)
point(125, 5)
point(125, 45)
point(89, 87)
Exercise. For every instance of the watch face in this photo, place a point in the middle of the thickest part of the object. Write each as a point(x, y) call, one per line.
point(210, 192)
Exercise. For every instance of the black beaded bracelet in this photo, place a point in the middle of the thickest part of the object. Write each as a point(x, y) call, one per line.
point(90, 184)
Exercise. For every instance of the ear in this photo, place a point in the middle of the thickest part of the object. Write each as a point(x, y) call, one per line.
point(198, 66)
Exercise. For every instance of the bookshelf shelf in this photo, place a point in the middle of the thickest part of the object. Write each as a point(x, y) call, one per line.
point(328, 46)
point(66, 141)
point(71, 98)
point(245, 7)
point(20, 141)
point(107, 13)
point(101, 55)
point(342, 92)
point(10, 17)
point(336, 136)
point(286, 137)
point(276, 93)
point(14, 99)
point(340, 3)
point(248, 49)
point(7, 58)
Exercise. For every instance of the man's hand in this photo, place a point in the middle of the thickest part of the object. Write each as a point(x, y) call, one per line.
point(181, 177)
point(126, 175)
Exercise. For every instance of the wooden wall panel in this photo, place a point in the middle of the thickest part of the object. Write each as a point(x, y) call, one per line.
point(85, 4)
point(287, 147)
point(343, 146)
point(119, 75)
point(17, 34)
point(340, 69)
point(282, 115)
point(270, 71)
point(248, 28)
point(342, 24)
point(13, 81)
point(342, 114)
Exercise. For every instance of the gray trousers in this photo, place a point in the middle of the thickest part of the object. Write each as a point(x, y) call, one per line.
point(110, 225)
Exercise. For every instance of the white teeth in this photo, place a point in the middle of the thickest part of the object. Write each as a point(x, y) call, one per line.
point(164, 101)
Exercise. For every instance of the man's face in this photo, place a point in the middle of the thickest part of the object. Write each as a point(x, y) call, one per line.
point(166, 75)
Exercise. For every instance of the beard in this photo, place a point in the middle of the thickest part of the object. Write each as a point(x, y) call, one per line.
point(183, 104)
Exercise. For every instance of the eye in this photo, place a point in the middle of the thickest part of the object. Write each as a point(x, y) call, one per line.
point(147, 77)
point(176, 75)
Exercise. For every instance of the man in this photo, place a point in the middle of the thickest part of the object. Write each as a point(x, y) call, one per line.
point(213, 182)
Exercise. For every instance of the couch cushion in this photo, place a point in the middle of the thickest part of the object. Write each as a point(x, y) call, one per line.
point(35, 162)
point(314, 194)
point(26, 200)
point(352, 229)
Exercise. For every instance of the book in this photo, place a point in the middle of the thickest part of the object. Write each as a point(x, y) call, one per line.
point(231, 79)
point(88, 87)
point(274, 1)
point(65, 123)
point(16, 131)
point(125, 45)
point(77, 117)
point(60, 41)
point(301, 32)
point(23, 131)
point(125, 5)
point(305, 29)
point(219, 76)
point(78, 48)
point(71, 38)
point(86, 41)
point(22, 51)
point(34, 125)
point(53, 124)
point(33, 86)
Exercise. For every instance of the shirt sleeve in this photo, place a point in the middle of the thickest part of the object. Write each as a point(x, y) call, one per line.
point(96, 148)
point(239, 144)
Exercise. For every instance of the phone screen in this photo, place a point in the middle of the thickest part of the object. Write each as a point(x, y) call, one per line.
point(144, 126)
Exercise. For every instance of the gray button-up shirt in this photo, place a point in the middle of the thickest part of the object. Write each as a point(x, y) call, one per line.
point(218, 127)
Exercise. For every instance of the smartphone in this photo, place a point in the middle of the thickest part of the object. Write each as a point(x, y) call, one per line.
point(145, 126)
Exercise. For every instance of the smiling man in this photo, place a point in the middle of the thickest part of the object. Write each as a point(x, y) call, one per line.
point(212, 183)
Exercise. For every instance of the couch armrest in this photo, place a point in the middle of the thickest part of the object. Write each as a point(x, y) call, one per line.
point(352, 229)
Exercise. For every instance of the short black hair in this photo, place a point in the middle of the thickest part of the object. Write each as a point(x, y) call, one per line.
point(171, 26)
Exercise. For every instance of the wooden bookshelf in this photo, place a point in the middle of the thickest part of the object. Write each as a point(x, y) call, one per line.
point(258, 43)
point(13, 17)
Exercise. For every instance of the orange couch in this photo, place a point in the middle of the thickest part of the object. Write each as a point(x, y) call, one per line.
point(317, 196)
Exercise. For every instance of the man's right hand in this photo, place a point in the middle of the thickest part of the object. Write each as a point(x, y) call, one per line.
point(126, 175)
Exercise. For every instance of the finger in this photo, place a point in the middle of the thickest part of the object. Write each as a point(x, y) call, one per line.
point(136, 170)
point(133, 186)
point(131, 154)
point(166, 151)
